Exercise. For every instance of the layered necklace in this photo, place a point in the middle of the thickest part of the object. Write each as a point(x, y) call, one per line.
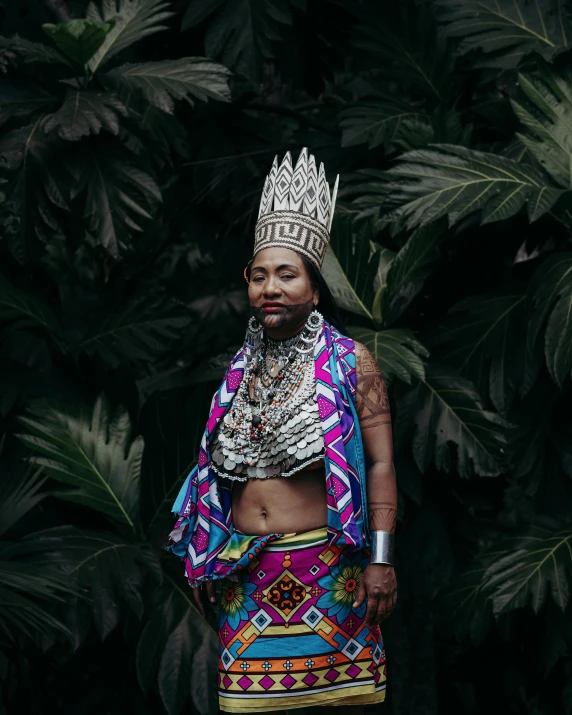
point(273, 426)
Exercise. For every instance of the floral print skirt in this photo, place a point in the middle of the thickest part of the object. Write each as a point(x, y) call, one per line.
point(289, 636)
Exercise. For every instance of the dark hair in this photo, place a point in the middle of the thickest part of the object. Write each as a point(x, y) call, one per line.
point(327, 304)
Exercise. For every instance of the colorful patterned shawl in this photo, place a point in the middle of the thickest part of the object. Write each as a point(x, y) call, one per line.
point(205, 525)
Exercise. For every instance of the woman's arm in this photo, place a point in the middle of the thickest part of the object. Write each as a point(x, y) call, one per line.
point(372, 406)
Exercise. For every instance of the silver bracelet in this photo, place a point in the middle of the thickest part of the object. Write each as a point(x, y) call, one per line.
point(382, 547)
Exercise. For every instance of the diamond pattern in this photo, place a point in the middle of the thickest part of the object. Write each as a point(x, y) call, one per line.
point(283, 180)
point(267, 682)
point(323, 206)
point(311, 188)
point(245, 682)
point(288, 681)
point(353, 671)
point(310, 679)
point(332, 675)
point(299, 182)
point(268, 192)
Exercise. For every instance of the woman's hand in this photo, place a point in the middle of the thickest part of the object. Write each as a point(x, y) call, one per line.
point(379, 586)
point(204, 591)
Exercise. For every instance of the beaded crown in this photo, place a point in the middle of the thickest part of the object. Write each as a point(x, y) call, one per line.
point(296, 208)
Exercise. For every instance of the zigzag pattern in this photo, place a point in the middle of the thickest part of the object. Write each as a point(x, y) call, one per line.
point(205, 523)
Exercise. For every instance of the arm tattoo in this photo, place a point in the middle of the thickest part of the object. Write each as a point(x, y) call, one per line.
point(382, 516)
point(372, 403)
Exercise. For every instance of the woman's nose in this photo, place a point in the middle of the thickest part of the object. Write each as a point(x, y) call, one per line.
point(271, 287)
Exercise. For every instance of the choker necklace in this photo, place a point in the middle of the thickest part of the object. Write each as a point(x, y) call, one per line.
point(260, 435)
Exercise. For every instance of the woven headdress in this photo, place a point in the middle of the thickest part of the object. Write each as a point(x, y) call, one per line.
point(296, 210)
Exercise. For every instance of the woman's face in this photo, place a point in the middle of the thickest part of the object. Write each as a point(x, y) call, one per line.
point(280, 292)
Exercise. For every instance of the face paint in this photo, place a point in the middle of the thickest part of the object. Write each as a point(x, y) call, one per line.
point(291, 318)
point(280, 292)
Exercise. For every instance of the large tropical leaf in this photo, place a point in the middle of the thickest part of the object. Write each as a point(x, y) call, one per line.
point(79, 39)
point(163, 82)
point(533, 566)
point(450, 426)
point(397, 352)
point(400, 40)
point(455, 181)
point(175, 642)
point(37, 186)
point(29, 52)
point(28, 593)
point(25, 310)
point(108, 570)
point(550, 293)
point(241, 31)
point(376, 123)
point(350, 266)
point(19, 492)
point(485, 339)
point(466, 608)
point(85, 112)
point(547, 117)
point(120, 195)
point(22, 99)
point(141, 331)
point(505, 30)
point(407, 272)
point(134, 20)
point(91, 451)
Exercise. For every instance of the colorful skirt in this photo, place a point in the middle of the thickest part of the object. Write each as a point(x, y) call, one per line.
point(289, 635)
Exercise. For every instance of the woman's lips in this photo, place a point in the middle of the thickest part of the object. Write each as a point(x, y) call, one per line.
point(273, 308)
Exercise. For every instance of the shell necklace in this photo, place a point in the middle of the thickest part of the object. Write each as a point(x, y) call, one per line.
point(262, 434)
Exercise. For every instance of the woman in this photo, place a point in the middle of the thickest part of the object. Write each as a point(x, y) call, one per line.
point(293, 501)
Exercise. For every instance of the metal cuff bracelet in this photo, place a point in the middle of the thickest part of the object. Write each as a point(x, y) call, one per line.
point(382, 547)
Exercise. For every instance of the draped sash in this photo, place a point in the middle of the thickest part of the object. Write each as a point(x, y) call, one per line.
point(203, 505)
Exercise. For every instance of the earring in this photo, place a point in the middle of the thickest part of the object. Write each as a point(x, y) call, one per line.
point(246, 269)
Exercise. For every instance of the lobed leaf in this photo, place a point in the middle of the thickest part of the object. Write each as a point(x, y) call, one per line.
point(29, 52)
point(408, 270)
point(91, 451)
point(241, 32)
point(161, 83)
point(375, 123)
point(119, 194)
point(397, 352)
point(85, 112)
point(134, 20)
point(484, 338)
point(443, 410)
point(532, 567)
point(547, 117)
point(139, 333)
point(550, 296)
point(108, 570)
point(22, 100)
point(402, 43)
point(506, 30)
point(350, 267)
point(458, 182)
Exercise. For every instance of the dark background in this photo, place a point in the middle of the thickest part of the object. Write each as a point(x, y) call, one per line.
point(131, 173)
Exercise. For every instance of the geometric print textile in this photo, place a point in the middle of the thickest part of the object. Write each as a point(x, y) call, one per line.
point(289, 635)
point(204, 525)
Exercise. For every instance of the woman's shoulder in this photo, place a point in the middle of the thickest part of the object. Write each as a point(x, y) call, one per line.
point(366, 364)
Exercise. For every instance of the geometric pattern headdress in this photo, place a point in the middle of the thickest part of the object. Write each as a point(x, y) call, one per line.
point(296, 210)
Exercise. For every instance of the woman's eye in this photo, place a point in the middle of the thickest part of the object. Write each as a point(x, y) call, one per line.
point(258, 279)
point(286, 277)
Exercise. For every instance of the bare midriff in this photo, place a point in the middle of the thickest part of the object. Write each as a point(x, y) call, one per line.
point(281, 504)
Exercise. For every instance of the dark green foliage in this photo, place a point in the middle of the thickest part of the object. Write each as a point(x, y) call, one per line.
point(126, 217)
